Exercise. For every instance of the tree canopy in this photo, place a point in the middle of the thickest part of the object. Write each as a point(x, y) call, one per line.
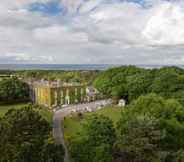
point(130, 82)
point(26, 137)
point(95, 143)
point(151, 129)
point(13, 89)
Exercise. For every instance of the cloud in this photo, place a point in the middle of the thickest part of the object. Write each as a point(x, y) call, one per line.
point(111, 25)
point(141, 26)
point(89, 6)
point(93, 31)
point(19, 3)
point(59, 34)
point(26, 58)
point(165, 26)
point(72, 5)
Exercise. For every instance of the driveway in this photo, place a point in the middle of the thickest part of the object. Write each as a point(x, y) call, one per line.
point(58, 133)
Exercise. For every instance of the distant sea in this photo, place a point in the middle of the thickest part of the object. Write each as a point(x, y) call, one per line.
point(69, 66)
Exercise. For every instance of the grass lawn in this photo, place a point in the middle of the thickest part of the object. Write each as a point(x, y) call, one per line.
point(72, 125)
point(47, 114)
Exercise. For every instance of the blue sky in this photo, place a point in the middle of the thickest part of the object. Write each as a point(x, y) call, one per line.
point(51, 8)
point(54, 7)
point(92, 31)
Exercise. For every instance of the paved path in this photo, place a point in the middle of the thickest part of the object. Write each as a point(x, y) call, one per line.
point(58, 133)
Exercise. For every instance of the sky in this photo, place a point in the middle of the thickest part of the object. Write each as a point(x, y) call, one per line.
point(92, 32)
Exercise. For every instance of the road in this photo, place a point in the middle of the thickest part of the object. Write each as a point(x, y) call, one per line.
point(59, 115)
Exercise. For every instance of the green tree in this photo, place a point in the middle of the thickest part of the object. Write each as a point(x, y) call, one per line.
point(24, 135)
point(80, 150)
point(6, 149)
point(169, 115)
point(168, 83)
point(139, 84)
point(96, 141)
point(53, 153)
point(141, 137)
point(113, 82)
point(13, 89)
point(99, 129)
point(130, 82)
point(179, 156)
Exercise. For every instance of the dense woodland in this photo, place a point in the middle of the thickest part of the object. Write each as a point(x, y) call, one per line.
point(27, 137)
point(66, 76)
point(13, 90)
point(129, 82)
point(151, 127)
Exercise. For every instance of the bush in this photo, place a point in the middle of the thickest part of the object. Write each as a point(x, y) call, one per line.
point(13, 90)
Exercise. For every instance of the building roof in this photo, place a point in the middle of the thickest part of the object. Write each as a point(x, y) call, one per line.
point(54, 84)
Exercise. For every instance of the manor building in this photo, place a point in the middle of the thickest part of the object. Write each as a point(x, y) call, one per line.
point(56, 93)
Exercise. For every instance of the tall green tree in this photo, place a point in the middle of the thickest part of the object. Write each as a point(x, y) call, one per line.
point(130, 82)
point(96, 142)
point(139, 84)
point(13, 89)
point(169, 118)
point(53, 153)
point(24, 135)
point(113, 82)
point(140, 138)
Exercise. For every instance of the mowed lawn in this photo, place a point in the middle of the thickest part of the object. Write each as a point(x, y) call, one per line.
point(73, 125)
point(44, 112)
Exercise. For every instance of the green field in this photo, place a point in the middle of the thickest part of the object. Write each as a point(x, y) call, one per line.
point(72, 125)
point(44, 112)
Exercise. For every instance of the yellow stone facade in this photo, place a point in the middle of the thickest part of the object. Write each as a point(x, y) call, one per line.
point(42, 96)
point(53, 94)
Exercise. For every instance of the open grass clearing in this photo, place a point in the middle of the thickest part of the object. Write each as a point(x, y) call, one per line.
point(73, 125)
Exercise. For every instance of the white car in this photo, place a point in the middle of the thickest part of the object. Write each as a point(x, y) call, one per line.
point(63, 106)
